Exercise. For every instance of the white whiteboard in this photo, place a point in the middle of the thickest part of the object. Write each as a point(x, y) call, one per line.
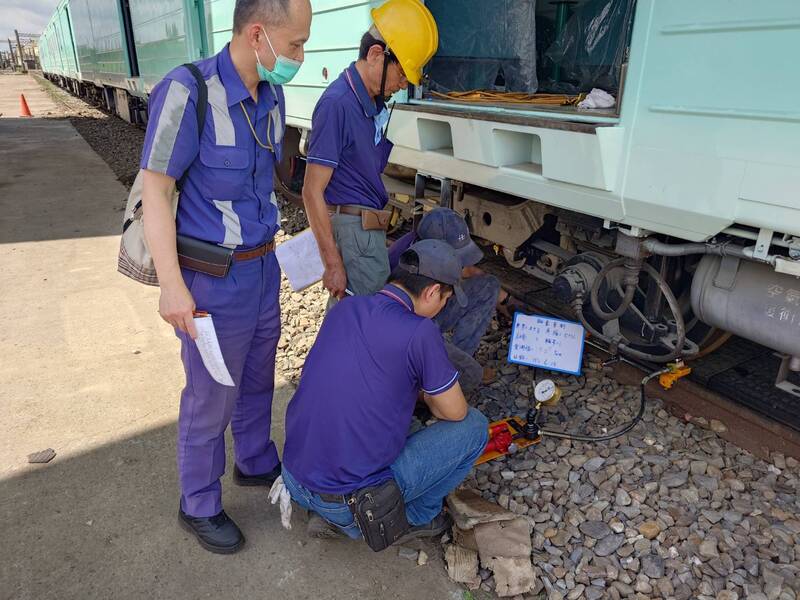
point(545, 342)
point(300, 260)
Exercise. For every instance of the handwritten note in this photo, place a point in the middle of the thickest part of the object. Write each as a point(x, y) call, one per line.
point(300, 260)
point(210, 353)
point(546, 342)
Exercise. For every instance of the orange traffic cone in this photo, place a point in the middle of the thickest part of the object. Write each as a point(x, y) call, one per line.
point(24, 111)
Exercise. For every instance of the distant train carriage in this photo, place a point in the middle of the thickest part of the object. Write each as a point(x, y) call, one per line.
point(115, 51)
point(56, 47)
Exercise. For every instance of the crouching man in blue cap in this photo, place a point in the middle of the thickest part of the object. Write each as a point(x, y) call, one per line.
point(465, 324)
point(347, 425)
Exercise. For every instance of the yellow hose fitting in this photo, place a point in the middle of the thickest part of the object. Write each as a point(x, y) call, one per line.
point(677, 370)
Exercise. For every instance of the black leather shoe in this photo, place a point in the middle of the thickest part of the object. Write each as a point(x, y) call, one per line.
point(265, 479)
point(218, 534)
point(440, 523)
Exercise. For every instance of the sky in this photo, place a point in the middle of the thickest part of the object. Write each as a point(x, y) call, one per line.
point(26, 16)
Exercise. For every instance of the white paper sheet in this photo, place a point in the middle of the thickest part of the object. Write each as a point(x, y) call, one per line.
point(552, 344)
point(300, 260)
point(208, 345)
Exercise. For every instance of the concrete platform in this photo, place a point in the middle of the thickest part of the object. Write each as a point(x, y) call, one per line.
point(12, 85)
point(88, 368)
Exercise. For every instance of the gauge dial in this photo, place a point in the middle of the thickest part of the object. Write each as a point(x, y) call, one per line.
point(545, 390)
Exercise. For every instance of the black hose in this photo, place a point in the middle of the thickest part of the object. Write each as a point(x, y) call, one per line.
point(680, 324)
point(610, 436)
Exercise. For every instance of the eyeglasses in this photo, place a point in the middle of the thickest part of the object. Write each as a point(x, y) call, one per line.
point(390, 56)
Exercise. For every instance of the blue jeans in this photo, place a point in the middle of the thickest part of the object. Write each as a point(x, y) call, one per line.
point(431, 465)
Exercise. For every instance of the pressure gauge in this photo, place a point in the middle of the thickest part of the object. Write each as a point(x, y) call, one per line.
point(546, 392)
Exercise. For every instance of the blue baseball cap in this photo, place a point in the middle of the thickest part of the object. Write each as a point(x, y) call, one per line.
point(437, 260)
point(447, 225)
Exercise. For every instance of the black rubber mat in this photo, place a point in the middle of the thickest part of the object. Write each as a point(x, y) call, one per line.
point(735, 352)
point(745, 373)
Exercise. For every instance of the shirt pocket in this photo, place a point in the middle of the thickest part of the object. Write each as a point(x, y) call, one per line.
point(226, 171)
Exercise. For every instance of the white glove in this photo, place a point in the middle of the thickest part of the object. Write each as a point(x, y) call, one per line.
point(278, 492)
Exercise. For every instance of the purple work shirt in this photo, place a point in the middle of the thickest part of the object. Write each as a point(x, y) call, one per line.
point(228, 196)
point(349, 418)
point(343, 138)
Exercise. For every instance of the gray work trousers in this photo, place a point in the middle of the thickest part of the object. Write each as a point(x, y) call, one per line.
point(364, 253)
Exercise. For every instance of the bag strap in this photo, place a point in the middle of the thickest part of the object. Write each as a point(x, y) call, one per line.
point(202, 106)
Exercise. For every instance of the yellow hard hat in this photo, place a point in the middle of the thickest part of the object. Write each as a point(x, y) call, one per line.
point(410, 32)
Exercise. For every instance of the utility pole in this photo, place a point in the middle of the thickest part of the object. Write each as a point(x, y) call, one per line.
point(19, 51)
point(11, 51)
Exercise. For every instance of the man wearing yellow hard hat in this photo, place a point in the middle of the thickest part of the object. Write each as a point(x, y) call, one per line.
point(343, 193)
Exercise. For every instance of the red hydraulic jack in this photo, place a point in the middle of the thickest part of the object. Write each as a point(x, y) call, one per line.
point(514, 431)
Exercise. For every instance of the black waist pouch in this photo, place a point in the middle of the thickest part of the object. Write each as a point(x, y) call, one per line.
point(380, 513)
point(197, 255)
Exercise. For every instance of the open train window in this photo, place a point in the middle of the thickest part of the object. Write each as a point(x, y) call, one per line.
point(505, 51)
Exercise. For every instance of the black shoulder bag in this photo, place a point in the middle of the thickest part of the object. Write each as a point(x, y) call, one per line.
point(380, 513)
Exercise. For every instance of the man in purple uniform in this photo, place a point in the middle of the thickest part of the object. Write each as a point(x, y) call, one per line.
point(226, 200)
point(343, 192)
point(347, 425)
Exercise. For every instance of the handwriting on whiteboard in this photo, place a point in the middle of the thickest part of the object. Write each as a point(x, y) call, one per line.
point(545, 342)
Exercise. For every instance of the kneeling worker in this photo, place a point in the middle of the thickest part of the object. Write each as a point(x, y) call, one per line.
point(467, 323)
point(347, 425)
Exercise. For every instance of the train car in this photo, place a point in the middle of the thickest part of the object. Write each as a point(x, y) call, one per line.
point(167, 33)
point(49, 55)
point(661, 221)
point(56, 48)
point(122, 48)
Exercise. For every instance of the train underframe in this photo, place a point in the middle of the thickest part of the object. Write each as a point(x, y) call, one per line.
point(112, 99)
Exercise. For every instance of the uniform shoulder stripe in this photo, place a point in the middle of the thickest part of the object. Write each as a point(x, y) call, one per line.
point(169, 123)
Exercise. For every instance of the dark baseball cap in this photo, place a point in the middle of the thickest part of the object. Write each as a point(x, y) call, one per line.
point(447, 225)
point(437, 260)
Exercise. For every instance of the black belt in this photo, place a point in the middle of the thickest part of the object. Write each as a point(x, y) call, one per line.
point(333, 498)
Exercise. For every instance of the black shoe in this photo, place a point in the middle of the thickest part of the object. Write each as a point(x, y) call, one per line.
point(320, 529)
point(440, 523)
point(218, 534)
point(265, 479)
